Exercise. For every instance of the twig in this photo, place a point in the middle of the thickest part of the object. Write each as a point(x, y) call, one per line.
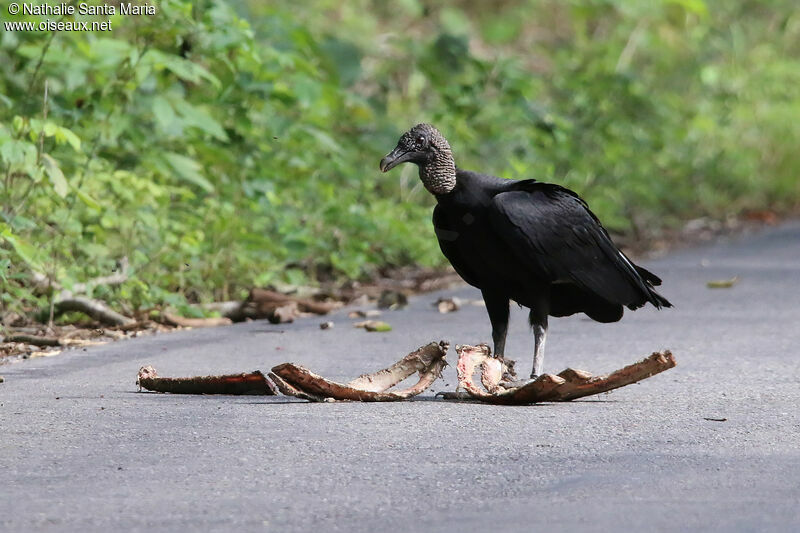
point(44, 120)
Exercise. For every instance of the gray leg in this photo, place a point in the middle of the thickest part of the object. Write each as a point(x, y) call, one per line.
point(540, 338)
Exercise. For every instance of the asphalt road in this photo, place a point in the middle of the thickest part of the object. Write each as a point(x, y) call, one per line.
point(80, 449)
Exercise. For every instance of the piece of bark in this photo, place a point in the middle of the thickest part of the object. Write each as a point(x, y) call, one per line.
point(254, 383)
point(285, 313)
point(95, 309)
point(448, 305)
point(183, 321)
point(568, 385)
point(428, 361)
point(33, 339)
point(266, 301)
point(289, 390)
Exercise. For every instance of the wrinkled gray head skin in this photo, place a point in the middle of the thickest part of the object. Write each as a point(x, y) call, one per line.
point(424, 146)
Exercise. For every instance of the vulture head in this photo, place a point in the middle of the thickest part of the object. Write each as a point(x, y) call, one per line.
point(424, 146)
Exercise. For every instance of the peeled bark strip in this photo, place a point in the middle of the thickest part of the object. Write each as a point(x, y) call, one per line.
point(568, 385)
point(428, 361)
point(289, 390)
point(183, 321)
point(254, 383)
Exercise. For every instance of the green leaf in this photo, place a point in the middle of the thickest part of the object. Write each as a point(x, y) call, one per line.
point(56, 176)
point(66, 135)
point(88, 200)
point(163, 112)
point(25, 251)
point(50, 129)
point(199, 118)
point(188, 169)
point(17, 152)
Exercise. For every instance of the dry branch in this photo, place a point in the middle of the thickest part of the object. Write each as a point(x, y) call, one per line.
point(178, 320)
point(428, 361)
point(568, 385)
point(68, 299)
point(33, 339)
point(95, 309)
point(254, 383)
point(266, 301)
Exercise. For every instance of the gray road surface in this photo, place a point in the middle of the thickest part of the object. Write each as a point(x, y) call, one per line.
point(80, 449)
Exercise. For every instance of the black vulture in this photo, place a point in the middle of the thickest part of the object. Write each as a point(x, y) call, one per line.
point(535, 243)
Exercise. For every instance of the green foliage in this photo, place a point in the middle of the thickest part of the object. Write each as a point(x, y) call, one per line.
point(219, 145)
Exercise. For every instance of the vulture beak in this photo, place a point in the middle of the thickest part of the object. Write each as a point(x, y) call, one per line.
point(394, 158)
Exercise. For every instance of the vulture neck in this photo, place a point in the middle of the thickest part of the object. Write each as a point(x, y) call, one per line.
point(439, 174)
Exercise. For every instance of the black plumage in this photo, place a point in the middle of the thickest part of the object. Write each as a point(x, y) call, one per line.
point(535, 243)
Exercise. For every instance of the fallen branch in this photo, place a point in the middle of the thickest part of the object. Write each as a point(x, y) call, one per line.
point(33, 339)
point(568, 385)
point(95, 309)
point(178, 320)
point(254, 383)
point(428, 361)
point(267, 299)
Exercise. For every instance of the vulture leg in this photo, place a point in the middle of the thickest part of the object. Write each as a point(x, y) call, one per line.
point(540, 338)
point(497, 307)
point(538, 321)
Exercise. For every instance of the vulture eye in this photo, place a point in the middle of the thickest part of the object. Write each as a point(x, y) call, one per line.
point(421, 141)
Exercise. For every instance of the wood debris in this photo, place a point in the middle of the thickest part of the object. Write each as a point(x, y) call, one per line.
point(567, 385)
point(276, 307)
point(254, 383)
point(448, 305)
point(186, 322)
point(428, 361)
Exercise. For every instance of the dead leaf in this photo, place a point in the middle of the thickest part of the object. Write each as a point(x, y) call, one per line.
point(722, 283)
point(373, 325)
point(391, 299)
point(448, 305)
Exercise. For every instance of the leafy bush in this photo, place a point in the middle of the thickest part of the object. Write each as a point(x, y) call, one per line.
point(219, 145)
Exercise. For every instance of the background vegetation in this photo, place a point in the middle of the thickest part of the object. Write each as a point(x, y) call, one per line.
point(219, 145)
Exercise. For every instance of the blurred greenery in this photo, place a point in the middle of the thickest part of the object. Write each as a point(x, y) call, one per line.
point(220, 145)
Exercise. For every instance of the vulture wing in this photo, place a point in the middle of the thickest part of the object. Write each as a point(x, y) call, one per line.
point(552, 230)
